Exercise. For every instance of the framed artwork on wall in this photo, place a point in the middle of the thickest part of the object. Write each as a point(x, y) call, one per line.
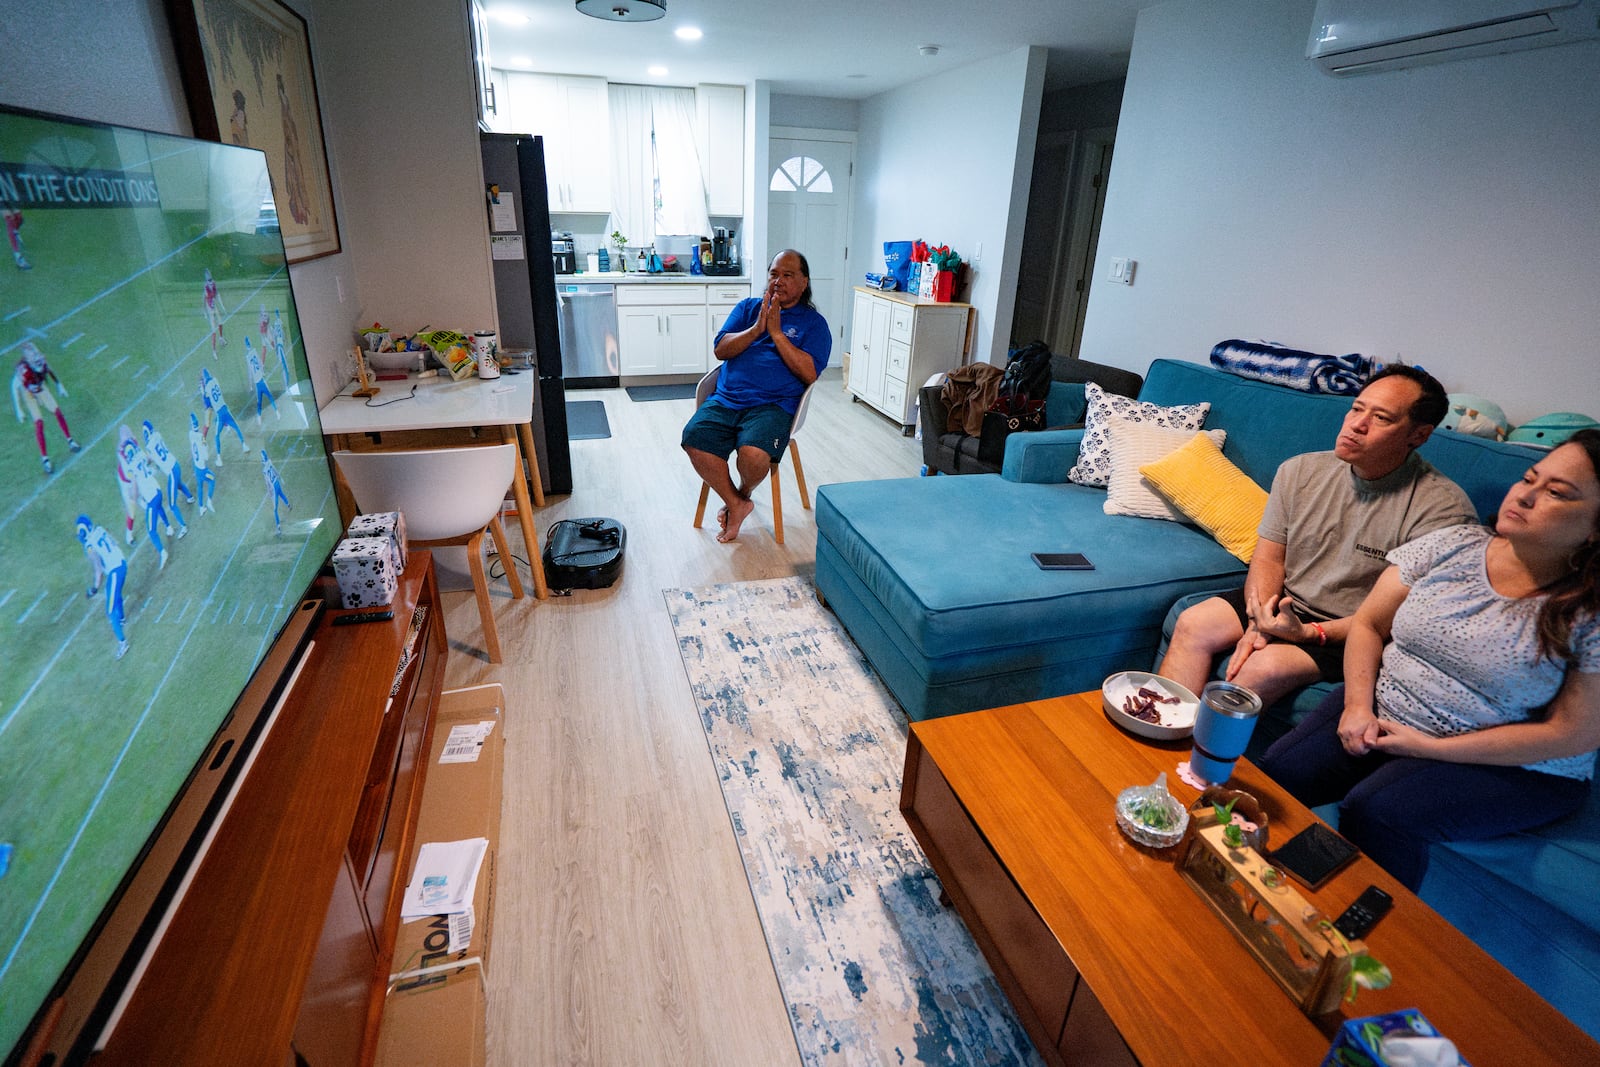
point(246, 70)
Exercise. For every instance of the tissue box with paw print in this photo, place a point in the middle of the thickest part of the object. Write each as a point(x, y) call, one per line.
point(366, 572)
point(390, 525)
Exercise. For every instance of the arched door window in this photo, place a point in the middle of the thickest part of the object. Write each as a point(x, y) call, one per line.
point(801, 174)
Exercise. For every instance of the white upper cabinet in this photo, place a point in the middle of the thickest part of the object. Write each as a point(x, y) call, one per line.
point(720, 114)
point(572, 114)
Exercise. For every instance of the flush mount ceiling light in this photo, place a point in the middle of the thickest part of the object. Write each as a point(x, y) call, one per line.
point(928, 49)
point(624, 10)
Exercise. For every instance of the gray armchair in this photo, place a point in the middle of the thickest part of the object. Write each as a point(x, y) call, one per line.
point(954, 452)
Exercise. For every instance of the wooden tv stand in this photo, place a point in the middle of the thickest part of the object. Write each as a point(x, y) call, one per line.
point(283, 940)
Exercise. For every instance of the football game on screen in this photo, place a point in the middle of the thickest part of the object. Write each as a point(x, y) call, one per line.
point(164, 501)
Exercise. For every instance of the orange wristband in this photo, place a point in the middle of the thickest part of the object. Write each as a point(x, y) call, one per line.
point(1322, 635)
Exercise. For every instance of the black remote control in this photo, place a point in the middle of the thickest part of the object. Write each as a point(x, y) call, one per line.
point(1359, 918)
point(363, 616)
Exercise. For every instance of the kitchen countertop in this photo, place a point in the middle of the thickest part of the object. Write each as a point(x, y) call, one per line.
point(635, 278)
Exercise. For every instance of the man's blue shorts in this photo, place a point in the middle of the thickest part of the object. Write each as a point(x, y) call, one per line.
point(719, 429)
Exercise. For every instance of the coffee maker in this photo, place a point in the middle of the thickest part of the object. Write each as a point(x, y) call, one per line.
point(724, 254)
point(561, 250)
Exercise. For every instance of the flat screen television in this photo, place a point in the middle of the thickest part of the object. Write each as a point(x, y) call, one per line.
point(165, 504)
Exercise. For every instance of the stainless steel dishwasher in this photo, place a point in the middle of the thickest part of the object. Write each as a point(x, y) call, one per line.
point(588, 318)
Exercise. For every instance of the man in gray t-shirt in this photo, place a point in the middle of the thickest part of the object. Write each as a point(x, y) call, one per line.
point(1331, 519)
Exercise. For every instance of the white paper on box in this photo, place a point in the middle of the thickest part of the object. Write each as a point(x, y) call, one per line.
point(445, 877)
point(466, 741)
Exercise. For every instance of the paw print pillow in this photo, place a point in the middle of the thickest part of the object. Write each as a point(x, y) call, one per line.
point(1094, 454)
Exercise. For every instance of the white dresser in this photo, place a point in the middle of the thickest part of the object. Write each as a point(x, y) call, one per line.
point(897, 342)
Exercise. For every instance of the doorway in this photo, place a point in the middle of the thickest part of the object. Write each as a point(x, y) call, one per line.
point(808, 209)
point(1067, 199)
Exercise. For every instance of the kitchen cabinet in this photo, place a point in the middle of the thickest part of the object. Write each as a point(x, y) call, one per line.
point(721, 299)
point(719, 110)
point(661, 329)
point(573, 115)
point(897, 342)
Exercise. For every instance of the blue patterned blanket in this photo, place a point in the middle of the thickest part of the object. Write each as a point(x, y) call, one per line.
point(1306, 371)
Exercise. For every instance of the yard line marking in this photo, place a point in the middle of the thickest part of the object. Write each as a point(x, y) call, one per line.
point(19, 312)
point(4, 600)
point(36, 602)
point(74, 339)
point(96, 352)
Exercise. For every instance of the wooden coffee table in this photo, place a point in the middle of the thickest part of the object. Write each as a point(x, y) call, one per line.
point(1107, 953)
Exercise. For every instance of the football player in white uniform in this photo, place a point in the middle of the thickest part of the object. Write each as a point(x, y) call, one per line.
point(274, 490)
point(110, 569)
point(205, 481)
point(216, 406)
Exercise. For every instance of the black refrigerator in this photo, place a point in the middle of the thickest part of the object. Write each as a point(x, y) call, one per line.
point(525, 287)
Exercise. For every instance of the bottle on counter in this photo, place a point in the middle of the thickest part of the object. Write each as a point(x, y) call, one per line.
point(642, 264)
point(605, 262)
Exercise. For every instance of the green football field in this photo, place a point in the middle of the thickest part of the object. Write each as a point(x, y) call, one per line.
point(93, 748)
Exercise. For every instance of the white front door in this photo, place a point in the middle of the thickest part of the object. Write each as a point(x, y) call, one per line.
point(808, 209)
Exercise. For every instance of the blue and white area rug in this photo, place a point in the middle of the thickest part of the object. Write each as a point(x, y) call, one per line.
point(810, 750)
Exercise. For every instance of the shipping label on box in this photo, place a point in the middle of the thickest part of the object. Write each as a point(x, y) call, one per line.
point(364, 567)
point(385, 524)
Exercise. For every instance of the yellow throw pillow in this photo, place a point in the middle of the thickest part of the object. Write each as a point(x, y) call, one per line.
point(1217, 495)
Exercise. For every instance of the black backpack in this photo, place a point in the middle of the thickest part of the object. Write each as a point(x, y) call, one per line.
point(1027, 374)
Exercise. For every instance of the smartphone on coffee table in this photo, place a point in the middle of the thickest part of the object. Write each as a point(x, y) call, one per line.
point(1313, 855)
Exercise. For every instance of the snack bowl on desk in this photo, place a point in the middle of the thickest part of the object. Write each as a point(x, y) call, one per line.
point(393, 360)
point(1176, 720)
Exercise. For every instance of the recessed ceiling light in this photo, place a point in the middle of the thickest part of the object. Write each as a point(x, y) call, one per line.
point(657, 71)
point(688, 33)
point(520, 61)
point(508, 16)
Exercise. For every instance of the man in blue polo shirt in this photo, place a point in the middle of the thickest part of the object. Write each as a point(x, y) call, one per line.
point(772, 347)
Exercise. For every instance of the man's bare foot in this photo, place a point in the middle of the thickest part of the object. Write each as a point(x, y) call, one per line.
point(722, 518)
point(737, 513)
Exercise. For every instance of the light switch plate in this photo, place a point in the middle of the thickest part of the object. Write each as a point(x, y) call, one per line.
point(1121, 271)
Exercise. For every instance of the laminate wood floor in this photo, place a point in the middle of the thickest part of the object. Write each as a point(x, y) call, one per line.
point(624, 931)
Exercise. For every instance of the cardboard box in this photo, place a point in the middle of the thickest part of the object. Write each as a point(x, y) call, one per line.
point(383, 524)
point(434, 1012)
point(460, 800)
point(365, 569)
point(436, 1018)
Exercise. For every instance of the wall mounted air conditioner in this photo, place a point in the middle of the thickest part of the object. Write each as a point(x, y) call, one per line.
point(1365, 36)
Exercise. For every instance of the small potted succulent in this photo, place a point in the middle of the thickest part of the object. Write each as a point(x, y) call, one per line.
point(621, 244)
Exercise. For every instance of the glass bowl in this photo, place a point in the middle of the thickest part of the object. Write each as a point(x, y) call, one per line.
point(1152, 816)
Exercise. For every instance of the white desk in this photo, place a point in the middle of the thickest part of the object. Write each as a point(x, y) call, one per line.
point(440, 412)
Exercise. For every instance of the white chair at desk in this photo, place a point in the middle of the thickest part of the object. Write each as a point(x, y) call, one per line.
point(449, 496)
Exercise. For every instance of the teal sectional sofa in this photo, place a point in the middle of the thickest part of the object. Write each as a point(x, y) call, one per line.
point(932, 578)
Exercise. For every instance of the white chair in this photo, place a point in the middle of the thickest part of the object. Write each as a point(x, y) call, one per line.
point(449, 496)
point(707, 386)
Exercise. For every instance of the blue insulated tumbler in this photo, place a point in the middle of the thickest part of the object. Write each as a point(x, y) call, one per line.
point(1222, 728)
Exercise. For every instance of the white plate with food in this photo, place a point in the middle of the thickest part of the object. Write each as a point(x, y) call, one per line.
point(1149, 705)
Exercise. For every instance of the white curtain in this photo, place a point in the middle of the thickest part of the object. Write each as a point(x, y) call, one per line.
point(632, 164)
point(656, 187)
point(681, 203)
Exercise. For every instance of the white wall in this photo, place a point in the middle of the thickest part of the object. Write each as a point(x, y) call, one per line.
point(1447, 214)
point(948, 160)
point(815, 112)
point(406, 137)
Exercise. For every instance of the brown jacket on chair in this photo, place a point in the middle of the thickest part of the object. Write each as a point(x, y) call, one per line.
point(968, 392)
